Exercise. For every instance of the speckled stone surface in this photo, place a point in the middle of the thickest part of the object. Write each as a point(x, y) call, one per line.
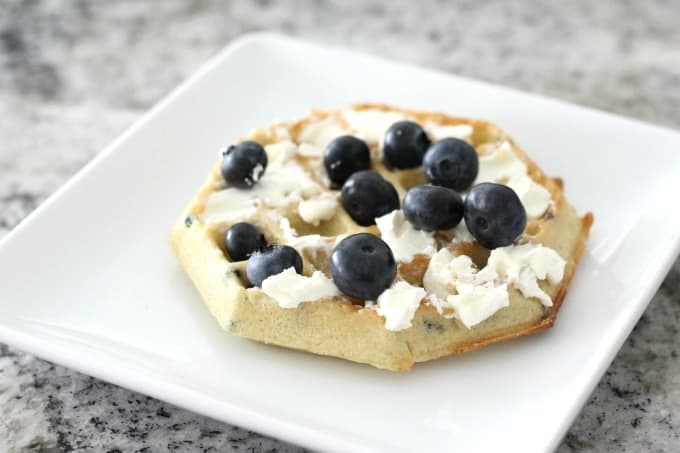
point(74, 74)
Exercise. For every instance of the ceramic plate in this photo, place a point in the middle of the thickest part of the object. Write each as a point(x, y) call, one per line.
point(88, 280)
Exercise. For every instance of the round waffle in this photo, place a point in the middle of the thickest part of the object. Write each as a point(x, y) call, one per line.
point(340, 326)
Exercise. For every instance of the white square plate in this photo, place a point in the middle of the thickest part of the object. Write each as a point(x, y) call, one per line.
point(88, 281)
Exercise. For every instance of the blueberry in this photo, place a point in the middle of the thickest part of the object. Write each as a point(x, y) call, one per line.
point(343, 156)
point(433, 207)
point(271, 260)
point(451, 163)
point(367, 195)
point(244, 164)
point(405, 144)
point(363, 266)
point(242, 239)
point(494, 214)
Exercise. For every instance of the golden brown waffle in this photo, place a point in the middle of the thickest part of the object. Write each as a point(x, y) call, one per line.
point(343, 327)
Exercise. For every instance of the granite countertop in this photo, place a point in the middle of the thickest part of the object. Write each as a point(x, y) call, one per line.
point(74, 74)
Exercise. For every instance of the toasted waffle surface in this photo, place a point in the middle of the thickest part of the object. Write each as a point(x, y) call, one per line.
point(339, 326)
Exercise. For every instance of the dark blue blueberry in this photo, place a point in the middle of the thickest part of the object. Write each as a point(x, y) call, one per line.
point(363, 266)
point(433, 208)
point(242, 239)
point(367, 195)
point(451, 163)
point(494, 214)
point(271, 260)
point(244, 164)
point(343, 156)
point(405, 144)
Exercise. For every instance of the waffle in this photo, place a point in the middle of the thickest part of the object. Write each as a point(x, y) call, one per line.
point(341, 326)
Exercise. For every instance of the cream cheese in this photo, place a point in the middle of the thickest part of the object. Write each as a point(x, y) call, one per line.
point(283, 183)
point(310, 243)
point(443, 270)
point(317, 209)
point(281, 152)
point(458, 290)
point(289, 288)
point(404, 240)
point(398, 304)
point(307, 150)
point(535, 197)
point(320, 133)
point(461, 233)
point(503, 166)
point(500, 165)
point(438, 132)
point(523, 265)
point(478, 303)
point(371, 124)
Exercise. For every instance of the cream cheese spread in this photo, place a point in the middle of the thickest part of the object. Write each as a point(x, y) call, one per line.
point(500, 165)
point(461, 233)
point(317, 209)
point(523, 266)
point(310, 243)
point(398, 304)
point(371, 124)
point(281, 152)
point(438, 132)
point(320, 133)
point(307, 150)
point(289, 288)
point(443, 268)
point(535, 198)
point(404, 240)
point(283, 183)
point(457, 289)
point(474, 304)
point(503, 166)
